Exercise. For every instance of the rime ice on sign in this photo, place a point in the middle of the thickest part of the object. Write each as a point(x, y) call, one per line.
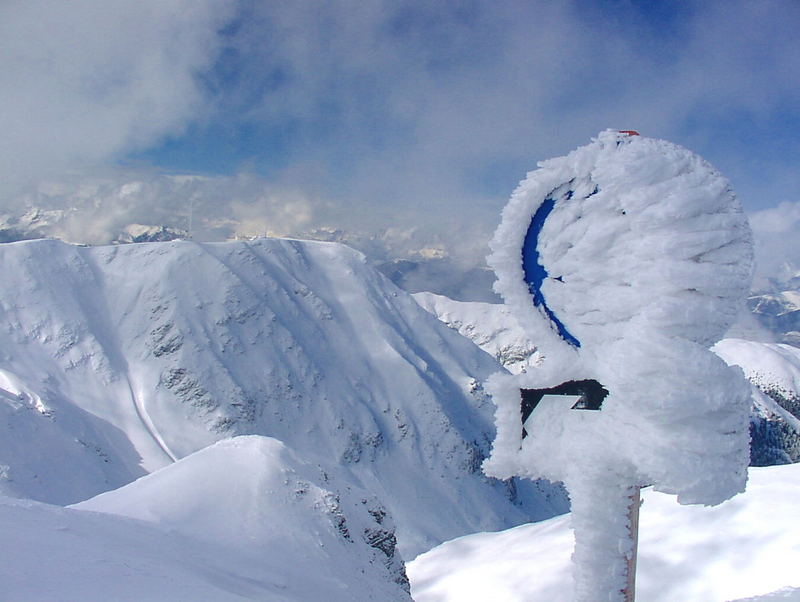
point(625, 261)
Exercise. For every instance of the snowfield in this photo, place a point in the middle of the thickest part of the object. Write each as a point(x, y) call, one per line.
point(748, 546)
point(244, 519)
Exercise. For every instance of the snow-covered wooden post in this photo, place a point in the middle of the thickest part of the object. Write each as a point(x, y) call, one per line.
point(634, 502)
point(625, 261)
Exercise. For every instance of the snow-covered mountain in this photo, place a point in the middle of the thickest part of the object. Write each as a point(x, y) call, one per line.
point(144, 233)
point(779, 312)
point(33, 223)
point(242, 519)
point(116, 361)
point(491, 326)
point(775, 305)
point(412, 261)
point(746, 546)
point(773, 369)
point(363, 420)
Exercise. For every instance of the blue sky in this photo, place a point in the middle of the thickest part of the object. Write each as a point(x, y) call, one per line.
point(381, 112)
point(477, 92)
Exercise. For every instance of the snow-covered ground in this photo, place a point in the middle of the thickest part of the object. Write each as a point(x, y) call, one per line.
point(247, 519)
point(747, 546)
point(244, 519)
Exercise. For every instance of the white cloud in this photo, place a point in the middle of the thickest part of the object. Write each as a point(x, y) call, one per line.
point(777, 232)
point(413, 105)
point(101, 209)
point(86, 81)
point(393, 117)
point(782, 219)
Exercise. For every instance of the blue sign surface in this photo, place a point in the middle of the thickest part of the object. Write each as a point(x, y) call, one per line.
point(535, 272)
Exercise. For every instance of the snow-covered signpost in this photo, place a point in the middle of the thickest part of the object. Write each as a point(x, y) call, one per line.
point(625, 260)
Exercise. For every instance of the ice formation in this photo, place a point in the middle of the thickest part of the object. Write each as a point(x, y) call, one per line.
point(625, 260)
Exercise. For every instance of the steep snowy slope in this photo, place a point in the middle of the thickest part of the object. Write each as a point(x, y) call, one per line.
point(744, 547)
point(774, 371)
point(114, 361)
point(489, 325)
point(242, 519)
point(768, 365)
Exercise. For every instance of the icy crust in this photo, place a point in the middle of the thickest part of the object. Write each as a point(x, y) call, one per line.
point(692, 442)
point(648, 261)
point(652, 239)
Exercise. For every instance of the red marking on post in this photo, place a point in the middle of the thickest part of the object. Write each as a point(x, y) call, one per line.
point(629, 132)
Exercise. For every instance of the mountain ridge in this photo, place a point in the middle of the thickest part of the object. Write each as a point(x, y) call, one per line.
point(121, 359)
